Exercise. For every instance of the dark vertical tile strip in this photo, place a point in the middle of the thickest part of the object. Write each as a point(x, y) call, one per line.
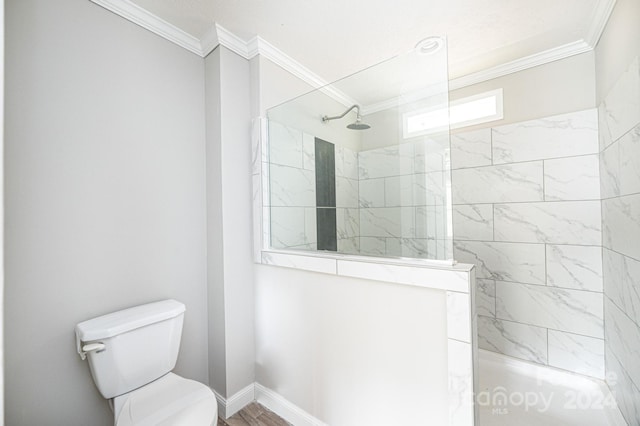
point(326, 228)
point(325, 174)
point(326, 195)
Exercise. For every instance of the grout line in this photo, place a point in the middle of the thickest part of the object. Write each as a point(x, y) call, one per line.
point(542, 327)
point(524, 161)
point(547, 346)
point(534, 201)
point(529, 242)
point(550, 287)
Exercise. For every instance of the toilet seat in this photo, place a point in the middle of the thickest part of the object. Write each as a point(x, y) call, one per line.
point(169, 401)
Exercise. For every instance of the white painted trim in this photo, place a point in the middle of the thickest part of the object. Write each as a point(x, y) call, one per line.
point(239, 400)
point(218, 35)
point(151, 22)
point(285, 409)
point(209, 41)
point(541, 58)
point(599, 21)
point(264, 48)
point(232, 42)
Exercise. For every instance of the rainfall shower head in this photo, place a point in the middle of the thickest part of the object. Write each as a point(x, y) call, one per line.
point(358, 125)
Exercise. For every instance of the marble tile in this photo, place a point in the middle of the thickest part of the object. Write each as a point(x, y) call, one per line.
point(471, 149)
point(350, 164)
point(349, 245)
point(623, 337)
point(310, 225)
point(347, 223)
point(580, 354)
point(622, 282)
point(510, 338)
point(562, 222)
point(432, 153)
point(384, 162)
point(621, 225)
point(398, 191)
point(604, 133)
point(380, 222)
point(373, 246)
point(430, 223)
point(346, 163)
point(497, 184)
point(288, 227)
point(486, 297)
point(621, 107)
point(417, 247)
point(572, 178)
point(430, 188)
point(503, 261)
point(473, 222)
point(346, 192)
point(371, 192)
point(292, 187)
point(563, 135)
point(285, 145)
point(610, 171)
point(626, 392)
point(307, 263)
point(577, 267)
point(459, 316)
point(393, 247)
point(429, 161)
point(574, 311)
point(407, 222)
point(630, 162)
point(308, 152)
point(460, 373)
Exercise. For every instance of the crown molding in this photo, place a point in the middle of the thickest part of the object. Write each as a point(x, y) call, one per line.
point(218, 35)
point(286, 62)
point(599, 20)
point(151, 22)
point(541, 58)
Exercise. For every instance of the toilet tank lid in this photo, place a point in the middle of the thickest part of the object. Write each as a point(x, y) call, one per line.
point(119, 322)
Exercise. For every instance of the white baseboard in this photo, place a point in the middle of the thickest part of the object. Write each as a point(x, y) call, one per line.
point(285, 409)
point(239, 400)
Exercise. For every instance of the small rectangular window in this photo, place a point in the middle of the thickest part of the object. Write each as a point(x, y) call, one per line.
point(480, 108)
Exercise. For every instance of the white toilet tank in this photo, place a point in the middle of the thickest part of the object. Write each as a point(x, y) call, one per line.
point(130, 348)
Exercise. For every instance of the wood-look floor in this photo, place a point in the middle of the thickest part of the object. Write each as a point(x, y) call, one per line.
point(253, 414)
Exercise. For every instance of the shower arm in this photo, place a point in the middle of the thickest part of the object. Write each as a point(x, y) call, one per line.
point(325, 118)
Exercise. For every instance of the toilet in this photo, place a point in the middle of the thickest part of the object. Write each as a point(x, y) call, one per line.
point(131, 354)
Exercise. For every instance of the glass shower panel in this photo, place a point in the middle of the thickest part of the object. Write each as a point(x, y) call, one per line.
point(361, 166)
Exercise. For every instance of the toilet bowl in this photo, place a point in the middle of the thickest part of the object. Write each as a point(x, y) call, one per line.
point(170, 400)
point(131, 354)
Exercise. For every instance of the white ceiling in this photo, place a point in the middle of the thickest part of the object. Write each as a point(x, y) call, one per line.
point(337, 38)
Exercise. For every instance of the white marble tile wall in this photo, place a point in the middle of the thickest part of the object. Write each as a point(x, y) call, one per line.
point(565, 135)
point(620, 188)
point(292, 197)
point(402, 200)
point(527, 212)
point(389, 201)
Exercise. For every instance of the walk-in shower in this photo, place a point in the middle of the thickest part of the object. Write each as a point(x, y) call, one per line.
point(382, 190)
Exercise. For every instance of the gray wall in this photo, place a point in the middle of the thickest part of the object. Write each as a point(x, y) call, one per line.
point(105, 196)
point(229, 213)
point(618, 80)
